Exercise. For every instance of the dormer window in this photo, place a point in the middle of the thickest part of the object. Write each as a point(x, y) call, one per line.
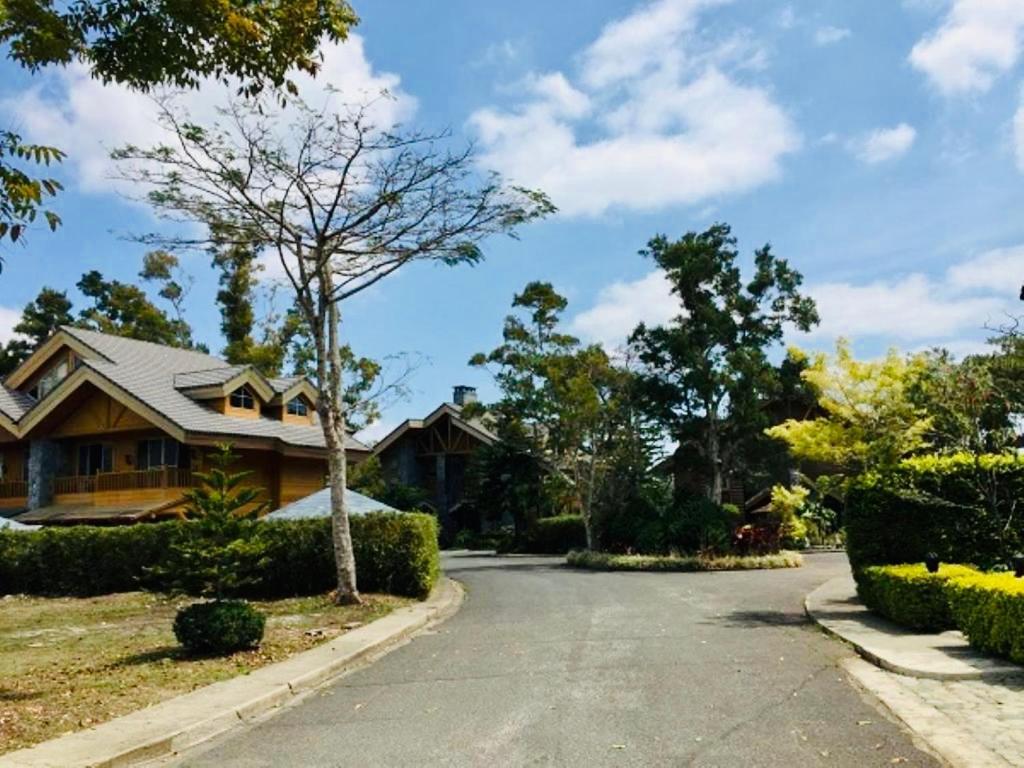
point(49, 380)
point(242, 398)
point(297, 407)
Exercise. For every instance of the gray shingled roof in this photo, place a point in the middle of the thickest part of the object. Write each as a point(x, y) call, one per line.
point(208, 378)
point(319, 505)
point(148, 371)
point(14, 404)
point(283, 384)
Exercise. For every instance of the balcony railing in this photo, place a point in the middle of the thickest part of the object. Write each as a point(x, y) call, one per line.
point(165, 477)
point(13, 489)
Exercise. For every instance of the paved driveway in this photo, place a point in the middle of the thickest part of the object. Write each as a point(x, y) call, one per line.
point(546, 666)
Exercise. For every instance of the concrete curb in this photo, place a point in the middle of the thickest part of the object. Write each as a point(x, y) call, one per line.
point(947, 656)
point(185, 721)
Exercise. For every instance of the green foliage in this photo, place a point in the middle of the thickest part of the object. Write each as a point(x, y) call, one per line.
point(962, 507)
point(909, 595)
point(555, 535)
point(225, 553)
point(22, 197)
point(40, 319)
point(989, 609)
point(123, 309)
point(394, 552)
point(367, 477)
point(603, 561)
point(870, 422)
point(708, 377)
point(507, 481)
point(219, 627)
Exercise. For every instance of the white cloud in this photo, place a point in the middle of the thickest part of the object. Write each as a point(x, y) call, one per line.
point(9, 317)
point(1018, 133)
point(829, 35)
point(977, 41)
point(885, 143)
point(655, 118)
point(914, 310)
point(88, 119)
point(377, 431)
point(622, 306)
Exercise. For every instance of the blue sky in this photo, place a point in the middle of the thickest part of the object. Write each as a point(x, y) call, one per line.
point(877, 145)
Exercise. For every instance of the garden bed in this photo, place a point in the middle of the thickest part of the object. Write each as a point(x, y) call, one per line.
point(70, 663)
point(603, 561)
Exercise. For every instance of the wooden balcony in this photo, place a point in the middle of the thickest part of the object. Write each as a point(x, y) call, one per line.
point(149, 479)
point(13, 489)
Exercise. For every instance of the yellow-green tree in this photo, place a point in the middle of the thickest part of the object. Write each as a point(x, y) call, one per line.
point(868, 422)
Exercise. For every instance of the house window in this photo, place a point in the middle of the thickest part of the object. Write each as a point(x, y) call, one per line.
point(242, 398)
point(160, 452)
point(49, 380)
point(95, 458)
point(297, 407)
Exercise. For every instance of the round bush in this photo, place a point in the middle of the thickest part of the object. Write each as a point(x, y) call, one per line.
point(219, 627)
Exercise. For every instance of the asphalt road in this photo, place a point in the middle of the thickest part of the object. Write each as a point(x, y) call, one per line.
point(546, 666)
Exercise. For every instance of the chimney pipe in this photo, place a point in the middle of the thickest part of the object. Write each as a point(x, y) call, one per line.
point(463, 395)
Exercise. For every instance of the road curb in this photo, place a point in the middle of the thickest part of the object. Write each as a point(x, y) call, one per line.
point(871, 640)
point(185, 721)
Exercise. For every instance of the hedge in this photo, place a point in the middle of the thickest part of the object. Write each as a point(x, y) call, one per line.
point(555, 535)
point(395, 552)
point(959, 507)
point(605, 561)
point(989, 609)
point(909, 595)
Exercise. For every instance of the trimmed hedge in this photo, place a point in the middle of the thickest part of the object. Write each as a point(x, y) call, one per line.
point(604, 561)
point(909, 595)
point(959, 507)
point(395, 552)
point(555, 535)
point(989, 609)
point(219, 627)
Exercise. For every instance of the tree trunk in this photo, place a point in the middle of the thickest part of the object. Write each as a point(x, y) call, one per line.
point(715, 460)
point(332, 416)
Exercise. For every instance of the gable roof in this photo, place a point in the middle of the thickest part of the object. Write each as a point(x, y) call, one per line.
point(319, 505)
point(475, 427)
point(146, 377)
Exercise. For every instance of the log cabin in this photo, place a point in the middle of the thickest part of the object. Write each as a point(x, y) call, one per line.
point(102, 429)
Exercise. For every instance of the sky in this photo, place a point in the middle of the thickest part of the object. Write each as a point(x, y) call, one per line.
point(878, 146)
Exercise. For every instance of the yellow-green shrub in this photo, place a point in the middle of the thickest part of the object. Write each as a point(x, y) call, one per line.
point(909, 595)
point(989, 609)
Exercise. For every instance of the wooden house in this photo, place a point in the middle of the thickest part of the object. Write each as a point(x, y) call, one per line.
point(102, 429)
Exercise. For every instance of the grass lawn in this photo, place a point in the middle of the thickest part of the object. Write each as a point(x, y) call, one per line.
point(69, 663)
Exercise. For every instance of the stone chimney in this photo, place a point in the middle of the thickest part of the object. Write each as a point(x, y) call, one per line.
point(463, 395)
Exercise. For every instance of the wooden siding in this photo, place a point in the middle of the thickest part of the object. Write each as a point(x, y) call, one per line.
point(100, 414)
point(300, 478)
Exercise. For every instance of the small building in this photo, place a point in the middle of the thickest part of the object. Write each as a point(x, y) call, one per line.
point(433, 453)
point(101, 429)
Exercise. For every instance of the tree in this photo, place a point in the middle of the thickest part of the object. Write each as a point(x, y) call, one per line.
point(41, 318)
point(164, 268)
point(706, 373)
point(870, 421)
point(124, 310)
point(145, 44)
point(341, 204)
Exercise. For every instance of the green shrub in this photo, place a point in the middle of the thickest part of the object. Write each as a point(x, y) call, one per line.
point(989, 609)
point(219, 627)
point(394, 552)
point(909, 595)
point(959, 507)
point(555, 535)
point(605, 561)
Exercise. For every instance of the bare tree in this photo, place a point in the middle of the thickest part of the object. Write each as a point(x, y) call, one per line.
point(342, 204)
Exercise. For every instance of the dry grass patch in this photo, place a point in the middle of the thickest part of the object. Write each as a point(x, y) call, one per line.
point(70, 663)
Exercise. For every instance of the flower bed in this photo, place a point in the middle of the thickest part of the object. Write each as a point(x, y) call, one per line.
point(603, 561)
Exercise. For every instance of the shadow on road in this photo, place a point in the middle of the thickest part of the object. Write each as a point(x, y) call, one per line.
point(755, 619)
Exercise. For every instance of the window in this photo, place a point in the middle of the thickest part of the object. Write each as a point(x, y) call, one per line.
point(49, 380)
point(297, 407)
point(95, 458)
point(160, 452)
point(242, 398)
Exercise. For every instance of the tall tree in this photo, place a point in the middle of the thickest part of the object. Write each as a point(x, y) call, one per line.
point(40, 319)
point(707, 371)
point(342, 204)
point(125, 310)
point(164, 269)
point(145, 44)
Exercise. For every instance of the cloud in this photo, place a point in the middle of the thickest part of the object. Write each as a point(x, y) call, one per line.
point(9, 317)
point(88, 119)
point(621, 306)
point(829, 35)
point(977, 41)
point(1018, 133)
point(914, 310)
point(885, 143)
point(655, 118)
point(377, 431)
